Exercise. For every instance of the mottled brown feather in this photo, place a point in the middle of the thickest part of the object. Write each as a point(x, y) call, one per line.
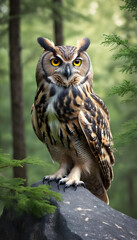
point(93, 119)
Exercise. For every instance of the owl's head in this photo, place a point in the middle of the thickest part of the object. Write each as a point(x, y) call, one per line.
point(64, 65)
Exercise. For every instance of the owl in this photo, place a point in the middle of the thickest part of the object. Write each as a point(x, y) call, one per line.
point(71, 119)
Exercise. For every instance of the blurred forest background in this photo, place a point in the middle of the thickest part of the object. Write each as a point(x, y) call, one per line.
point(79, 19)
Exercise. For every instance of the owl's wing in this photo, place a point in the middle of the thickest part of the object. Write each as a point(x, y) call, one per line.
point(35, 123)
point(94, 122)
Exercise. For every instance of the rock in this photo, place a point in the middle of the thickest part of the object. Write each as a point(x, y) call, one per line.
point(80, 216)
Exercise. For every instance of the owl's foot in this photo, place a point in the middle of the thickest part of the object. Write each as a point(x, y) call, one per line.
point(68, 182)
point(73, 179)
point(58, 175)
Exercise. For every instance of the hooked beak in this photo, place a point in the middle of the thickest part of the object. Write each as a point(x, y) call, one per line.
point(67, 71)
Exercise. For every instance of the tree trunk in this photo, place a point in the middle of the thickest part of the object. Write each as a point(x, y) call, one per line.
point(58, 22)
point(19, 149)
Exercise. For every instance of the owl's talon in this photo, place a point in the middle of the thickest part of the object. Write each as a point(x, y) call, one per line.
point(75, 186)
point(83, 184)
point(59, 183)
point(65, 186)
point(49, 180)
point(57, 180)
point(44, 179)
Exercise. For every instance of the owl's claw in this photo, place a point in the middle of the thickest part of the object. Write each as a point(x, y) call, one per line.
point(83, 184)
point(59, 183)
point(43, 180)
point(53, 177)
point(65, 186)
point(75, 186)
point(48, 179)
point(57, 180)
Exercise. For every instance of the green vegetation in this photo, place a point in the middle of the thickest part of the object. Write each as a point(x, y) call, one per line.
point(114, 80)
point(32, 200)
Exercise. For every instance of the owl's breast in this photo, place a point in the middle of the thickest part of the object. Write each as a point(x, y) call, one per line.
point(52, 119)
point(57, 111)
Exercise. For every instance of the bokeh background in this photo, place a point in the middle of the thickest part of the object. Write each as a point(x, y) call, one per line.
point(80, 19)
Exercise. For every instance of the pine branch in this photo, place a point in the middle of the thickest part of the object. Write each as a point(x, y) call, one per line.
point(125, 88)
point(27, 199)
point(5, 158)
point(112, 39)
point(125, 51)
point(14, 194)
point(131, 6)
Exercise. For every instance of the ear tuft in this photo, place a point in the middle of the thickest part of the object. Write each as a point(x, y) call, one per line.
point(83, 45)
point(46, 44)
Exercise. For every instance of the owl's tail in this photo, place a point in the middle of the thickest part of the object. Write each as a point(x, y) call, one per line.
point(98, 190)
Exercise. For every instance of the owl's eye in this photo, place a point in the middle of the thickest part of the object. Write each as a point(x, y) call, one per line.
point(55, 61)
point(77, 62)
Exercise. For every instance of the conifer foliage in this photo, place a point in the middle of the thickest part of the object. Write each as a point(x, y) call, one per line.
point(24, 199)
point(127, 53)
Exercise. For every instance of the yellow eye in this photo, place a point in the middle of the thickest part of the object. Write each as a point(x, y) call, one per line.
point(55, 61)
point(77, 62)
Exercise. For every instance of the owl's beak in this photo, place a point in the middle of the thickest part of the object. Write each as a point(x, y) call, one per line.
point(67, 71)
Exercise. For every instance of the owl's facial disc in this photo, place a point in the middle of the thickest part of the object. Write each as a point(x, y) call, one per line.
point(67, 73)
